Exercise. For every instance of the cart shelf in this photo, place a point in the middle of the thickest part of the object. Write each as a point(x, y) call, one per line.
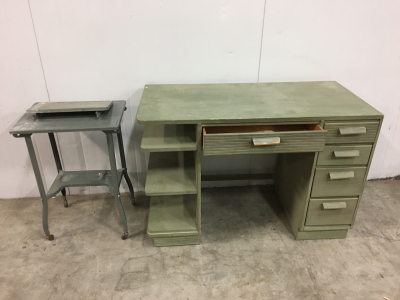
point(66, 179)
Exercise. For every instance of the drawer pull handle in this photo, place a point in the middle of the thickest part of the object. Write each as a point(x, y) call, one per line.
point(341, 175)
point(352, 130)
point(346, 153)
point(267, 141)
point(334, 205)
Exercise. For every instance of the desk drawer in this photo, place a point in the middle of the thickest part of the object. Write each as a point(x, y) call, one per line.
point(351, 132)
point(222, 140)
point(337, 211)
point(344, 155)
point(338, 181)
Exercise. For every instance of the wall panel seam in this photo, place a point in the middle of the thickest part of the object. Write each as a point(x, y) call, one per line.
point(38, 49)
point(261, 44)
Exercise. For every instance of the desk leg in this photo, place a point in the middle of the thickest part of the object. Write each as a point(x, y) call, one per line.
point(123, 163)
point(58, 163)
point(115, 183)
point(39, 181)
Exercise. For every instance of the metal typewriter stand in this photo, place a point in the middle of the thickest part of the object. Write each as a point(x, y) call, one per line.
point(68, 117)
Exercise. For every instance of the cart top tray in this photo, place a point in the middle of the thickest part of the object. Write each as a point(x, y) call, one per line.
point(67, 107)
point(69, 121)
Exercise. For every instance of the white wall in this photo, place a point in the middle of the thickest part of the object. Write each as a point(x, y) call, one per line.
point(356, 43)
point(53, 50)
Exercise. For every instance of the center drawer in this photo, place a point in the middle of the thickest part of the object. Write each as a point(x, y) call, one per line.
point(253, 139)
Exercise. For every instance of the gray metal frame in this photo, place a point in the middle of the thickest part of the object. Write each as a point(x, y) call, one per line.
point(39, 181)
point(58, 163)
point(86, 178)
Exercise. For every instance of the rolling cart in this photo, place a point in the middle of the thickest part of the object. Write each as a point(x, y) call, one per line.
point(51, 117)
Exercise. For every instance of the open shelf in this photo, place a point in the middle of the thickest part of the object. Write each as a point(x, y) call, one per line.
point(171, 173)
point(175, 137)
point(66, 179)
point(171, 216)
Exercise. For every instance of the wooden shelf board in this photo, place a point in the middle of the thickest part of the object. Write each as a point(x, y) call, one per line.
point(171, 173)
point(172, 216)
point(175, 137)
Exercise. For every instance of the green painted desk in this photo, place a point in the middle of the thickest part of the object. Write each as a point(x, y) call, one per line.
point(109, 122)
point(324, 135)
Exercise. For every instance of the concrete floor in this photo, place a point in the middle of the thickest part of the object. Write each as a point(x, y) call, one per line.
point(247, 251)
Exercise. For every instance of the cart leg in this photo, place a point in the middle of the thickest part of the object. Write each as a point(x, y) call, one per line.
point(115, 183)
point(65, 201)
point(123, 163)
point(39, 181)
point(58, 163)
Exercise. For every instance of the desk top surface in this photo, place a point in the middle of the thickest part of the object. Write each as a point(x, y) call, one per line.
point(108, 121)
point(251, 102)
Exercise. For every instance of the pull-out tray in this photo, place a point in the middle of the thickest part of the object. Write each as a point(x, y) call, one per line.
point(253, 139)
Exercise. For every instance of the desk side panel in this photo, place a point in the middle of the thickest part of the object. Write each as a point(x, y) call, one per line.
point(198, 176)
point(368, 167)
point(295, 172)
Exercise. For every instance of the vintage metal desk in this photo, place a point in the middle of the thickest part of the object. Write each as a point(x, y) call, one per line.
point(70, 117)
point(324, 134)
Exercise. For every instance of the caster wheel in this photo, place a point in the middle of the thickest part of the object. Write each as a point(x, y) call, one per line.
point(50, 237)
point(134, 201)
point(65, 202)
point(125, 236)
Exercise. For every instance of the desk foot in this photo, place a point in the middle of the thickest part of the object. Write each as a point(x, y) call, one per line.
point(50, 237)
point(125, 236)
point(177, 241)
